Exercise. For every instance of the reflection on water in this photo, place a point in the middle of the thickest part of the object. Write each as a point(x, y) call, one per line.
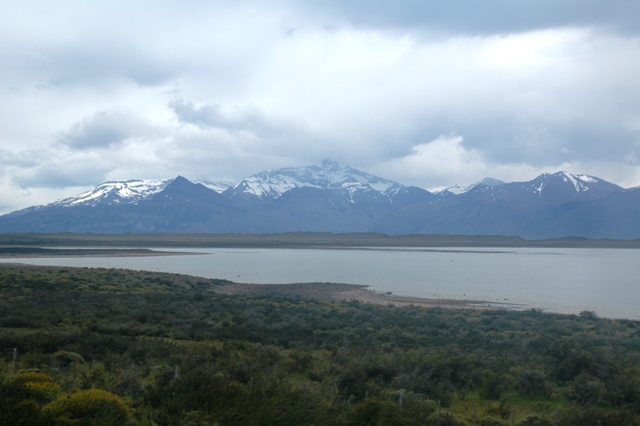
point(606, 281)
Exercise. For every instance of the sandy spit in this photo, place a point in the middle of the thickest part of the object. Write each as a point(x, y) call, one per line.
point(335, 292)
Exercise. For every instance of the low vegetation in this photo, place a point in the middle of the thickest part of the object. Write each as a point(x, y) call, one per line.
point(105, 346)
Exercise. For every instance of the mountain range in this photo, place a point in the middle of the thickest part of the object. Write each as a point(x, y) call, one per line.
point(333, 198)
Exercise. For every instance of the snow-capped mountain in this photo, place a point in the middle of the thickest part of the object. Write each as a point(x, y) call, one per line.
point(273, 184)
point(333, 198)
point(560, 184)
point(128, 192)
point(116, 192)
point(461, 189)
point(516, 208)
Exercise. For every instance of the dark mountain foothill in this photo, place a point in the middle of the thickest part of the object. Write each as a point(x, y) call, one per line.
point(336, 199)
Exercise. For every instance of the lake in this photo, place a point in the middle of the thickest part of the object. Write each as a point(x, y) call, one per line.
point(606, 281)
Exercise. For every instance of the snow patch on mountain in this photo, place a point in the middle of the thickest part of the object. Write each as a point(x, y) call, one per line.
point(116, 192)
point(219, 187)
point(580, 183)
point(457, 189)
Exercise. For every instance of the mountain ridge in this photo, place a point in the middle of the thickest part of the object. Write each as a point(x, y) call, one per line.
point(332, 198)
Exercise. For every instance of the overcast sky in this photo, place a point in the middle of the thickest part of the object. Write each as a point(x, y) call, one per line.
point(427, 93)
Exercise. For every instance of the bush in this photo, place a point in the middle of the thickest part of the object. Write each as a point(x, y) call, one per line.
point(490, 421)
point(32, 376)
point(22, 397)
point(375, 412)
point(495, 385)
point(595, 417)
point(534, 421)
point(533, 383)
point(34, 386)
point(65, 358)
point(587, 390)
point(93, 406)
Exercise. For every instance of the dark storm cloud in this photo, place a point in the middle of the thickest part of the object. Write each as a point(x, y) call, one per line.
point(489, 16)
point(101, 130)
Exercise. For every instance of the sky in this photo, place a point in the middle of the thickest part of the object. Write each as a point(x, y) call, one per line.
point(423, 92)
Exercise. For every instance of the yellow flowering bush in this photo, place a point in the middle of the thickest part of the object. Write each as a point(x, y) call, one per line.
point(37, 386)
point(93, 404)
point(32, 376)
point(44, 391)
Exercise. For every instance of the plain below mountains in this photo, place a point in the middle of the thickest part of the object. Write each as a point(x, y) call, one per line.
point(332, 198)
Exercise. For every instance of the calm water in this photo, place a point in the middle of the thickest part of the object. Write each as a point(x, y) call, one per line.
point(606, 281)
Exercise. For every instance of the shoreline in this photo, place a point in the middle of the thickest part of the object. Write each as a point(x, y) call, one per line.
point(44, 253)
point(323, 292)
point(336, 292)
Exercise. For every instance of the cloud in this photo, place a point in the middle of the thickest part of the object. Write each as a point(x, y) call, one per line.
point(14, 198)
point(55, 177)
point(53, 168)
point(12, 159)
point(222, 90)
point(437, 162)
point(238, 119)
point(247, 133)
point(101, 130)
point(486, 17)
point(108, 64)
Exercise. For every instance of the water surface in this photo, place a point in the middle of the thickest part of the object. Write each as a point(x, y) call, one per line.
point(606, 281)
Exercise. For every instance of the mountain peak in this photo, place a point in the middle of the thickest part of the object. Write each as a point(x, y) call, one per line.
point(491, 182)
point(461, 189)
point(580, 186)
point(272, 184)
point(181, 179)
point(330, 164)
